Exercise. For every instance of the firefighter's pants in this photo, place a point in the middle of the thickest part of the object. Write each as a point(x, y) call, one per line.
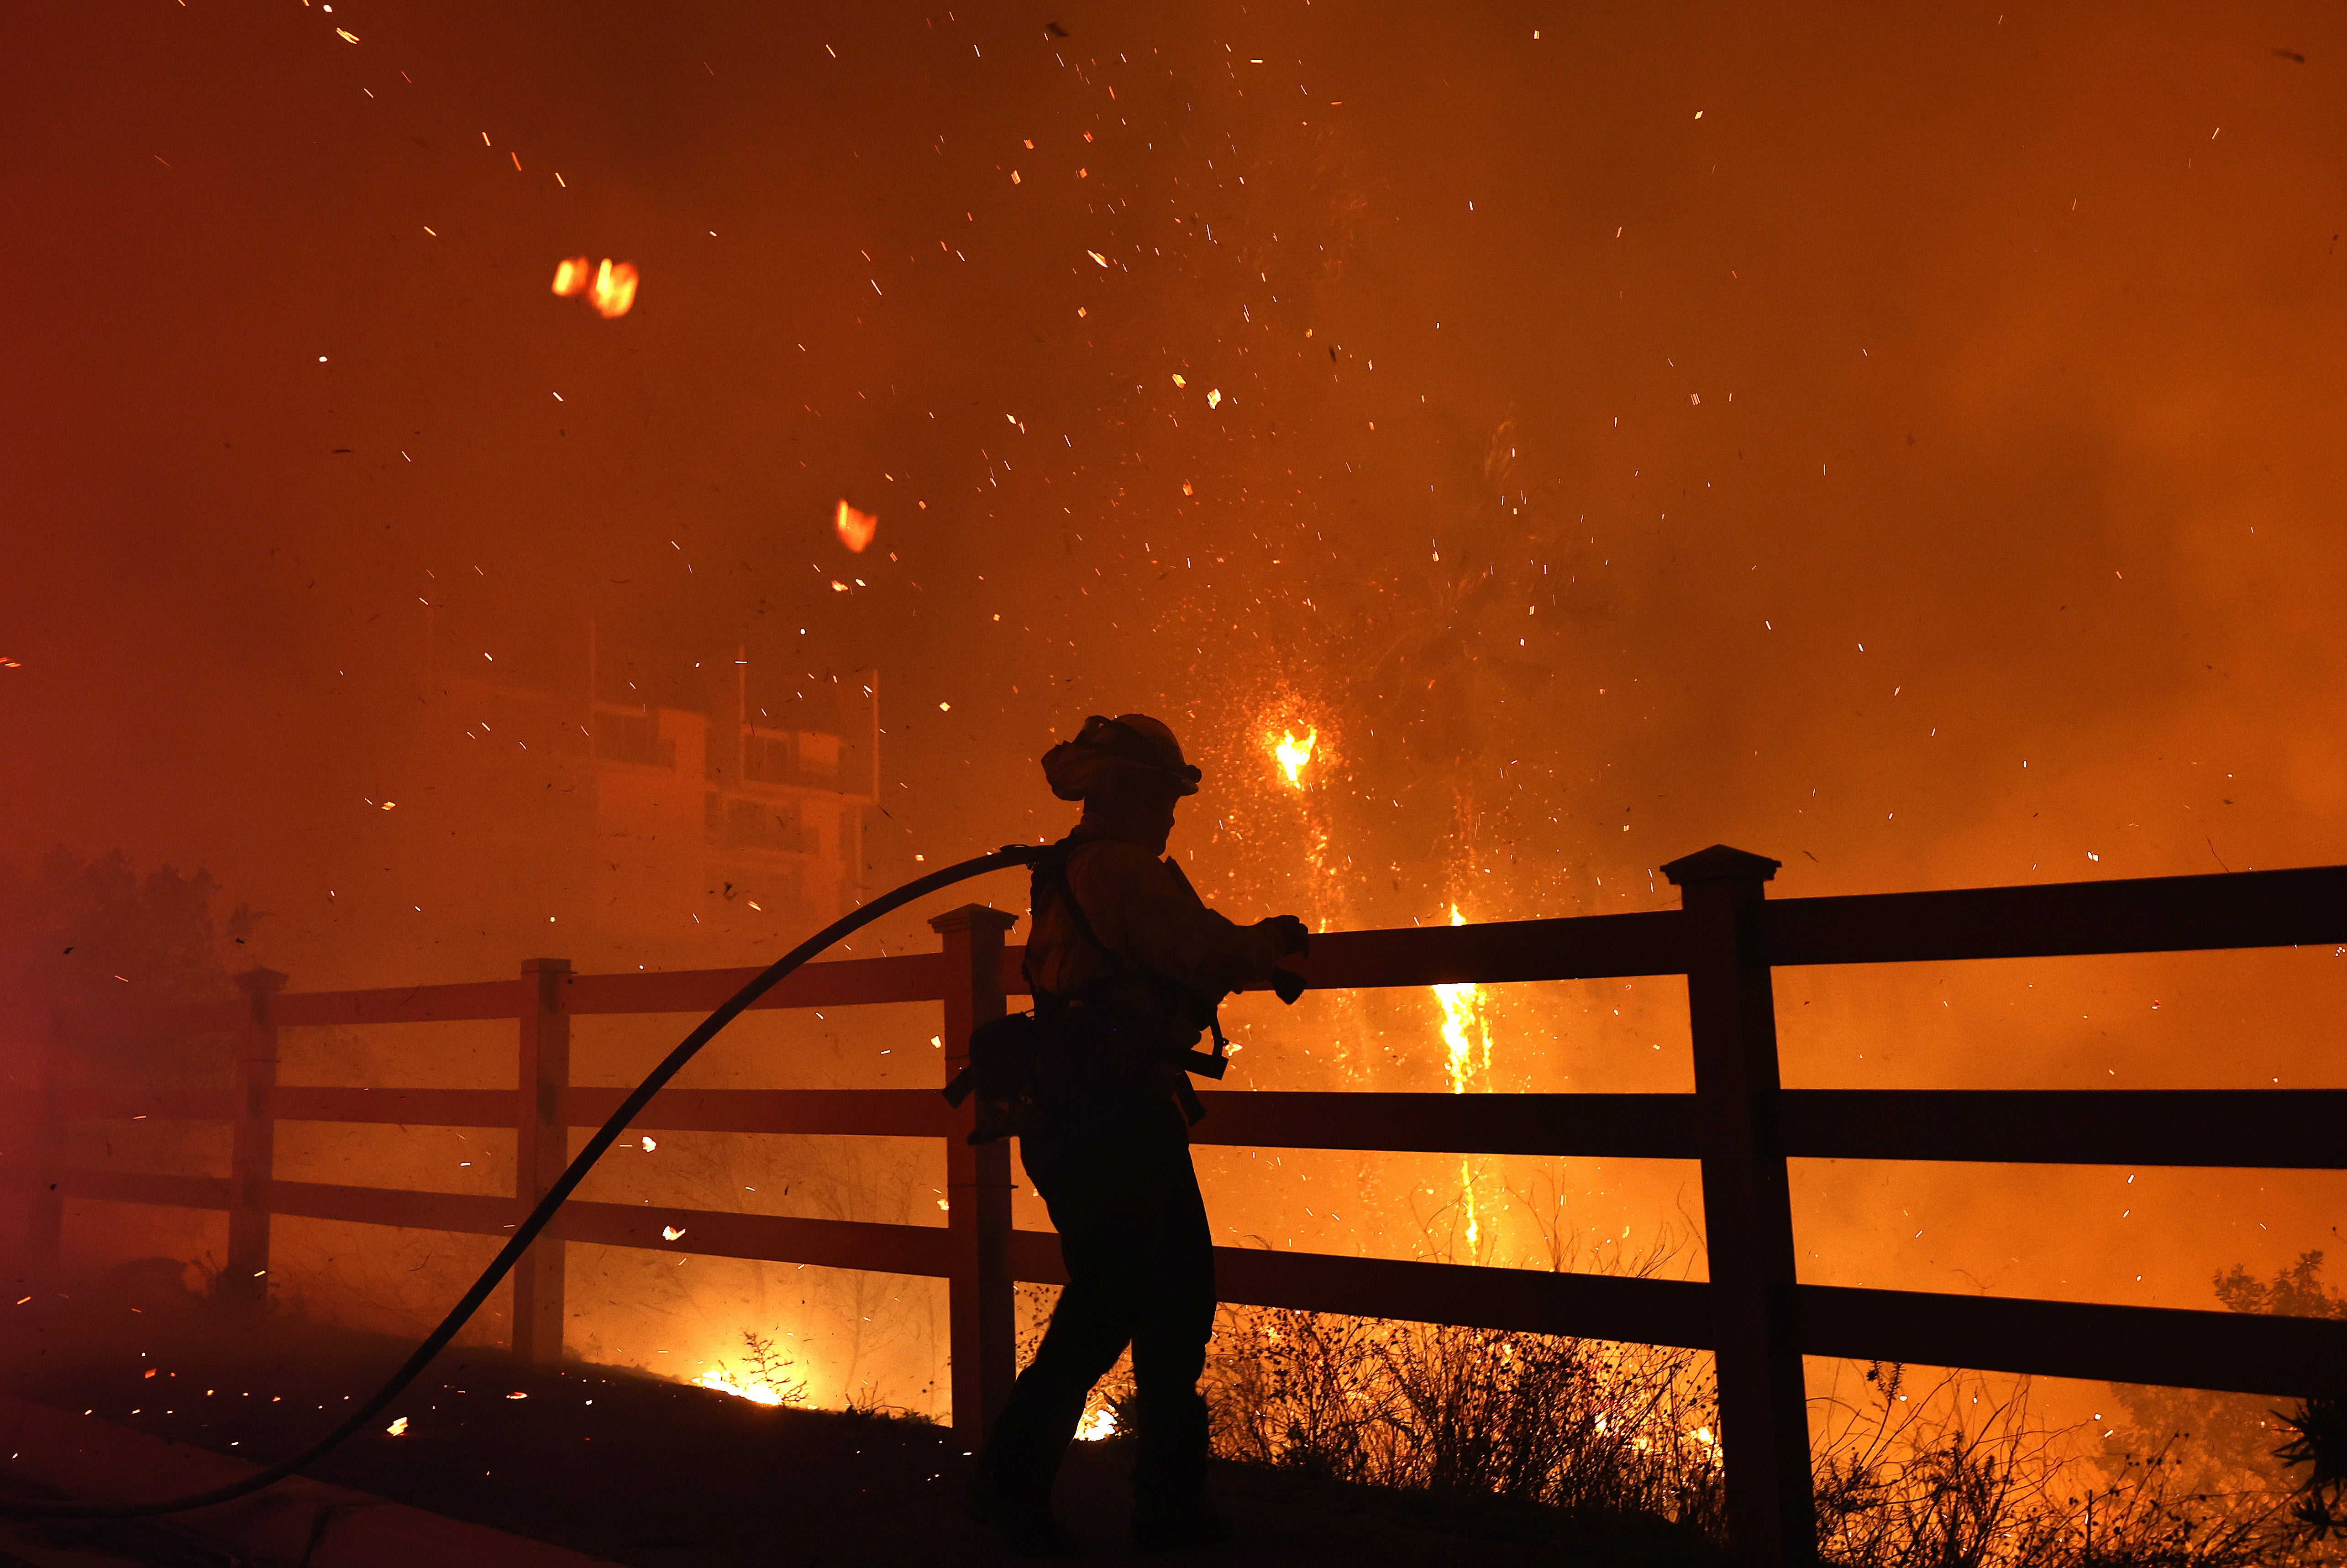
point(1140, 1271)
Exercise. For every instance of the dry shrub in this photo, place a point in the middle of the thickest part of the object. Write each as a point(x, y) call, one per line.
point(1586, 1426)
point(1950, 1477)
point(1582, 1425)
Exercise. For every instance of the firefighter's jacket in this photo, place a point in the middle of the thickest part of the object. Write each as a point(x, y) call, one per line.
point(1152, 923)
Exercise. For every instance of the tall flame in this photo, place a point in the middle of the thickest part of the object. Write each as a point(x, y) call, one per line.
point(1464, 1029)
point(1463, 1025)
point(1294, 754)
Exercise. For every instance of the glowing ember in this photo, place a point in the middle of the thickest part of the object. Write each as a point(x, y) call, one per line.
point(1294, 754)
point(614, 288)
point(756, 1393)
point(398, 1428)
point(570, 277)
point(650, 1146)
point(671, 1233)
point(855, 529)
point(1100, 1424)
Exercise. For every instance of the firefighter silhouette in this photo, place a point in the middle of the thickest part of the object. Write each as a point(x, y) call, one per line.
point(1126, 965)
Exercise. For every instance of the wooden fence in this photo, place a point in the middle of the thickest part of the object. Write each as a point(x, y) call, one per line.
point(1753, 1314)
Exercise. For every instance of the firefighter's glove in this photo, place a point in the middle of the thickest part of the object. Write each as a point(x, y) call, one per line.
point(1292, 936)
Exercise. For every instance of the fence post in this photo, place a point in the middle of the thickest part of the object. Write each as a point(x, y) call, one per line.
point(253, 1147)
point(1764, 1423)
point(45, 1132)
point(541, 1150)
point(978, 1186)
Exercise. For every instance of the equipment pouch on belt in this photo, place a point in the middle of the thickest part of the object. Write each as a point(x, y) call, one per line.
point(1004, 1057)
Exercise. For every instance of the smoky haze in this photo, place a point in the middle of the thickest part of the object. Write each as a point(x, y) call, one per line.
point(1894, 443)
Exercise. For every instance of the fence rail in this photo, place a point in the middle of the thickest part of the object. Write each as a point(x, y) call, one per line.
point(1739, 1123)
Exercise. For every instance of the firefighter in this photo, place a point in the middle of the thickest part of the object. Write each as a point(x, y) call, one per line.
point(1125, 963)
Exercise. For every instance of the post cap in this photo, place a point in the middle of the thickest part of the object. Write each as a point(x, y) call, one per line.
point(974, 917)
point(1720, 864)
point(261, 981)
point(539, 966)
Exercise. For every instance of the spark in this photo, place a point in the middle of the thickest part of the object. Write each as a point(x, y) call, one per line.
point(398, 1428)
point(570, 276)
point(1100, 1424)
point(650, 1146)
point(671, 1233)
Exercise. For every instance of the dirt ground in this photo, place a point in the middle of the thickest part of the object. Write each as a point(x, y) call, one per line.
point(99, 1543)
point(662, 1475)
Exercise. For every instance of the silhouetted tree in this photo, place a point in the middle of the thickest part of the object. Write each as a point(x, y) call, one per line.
point(79, 935)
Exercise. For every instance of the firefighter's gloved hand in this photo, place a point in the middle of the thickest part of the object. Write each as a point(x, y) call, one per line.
point(1294, 935)
point(1288, 984)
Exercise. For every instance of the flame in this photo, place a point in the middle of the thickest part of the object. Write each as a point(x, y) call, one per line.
point(855, 529)
point(570, 276)
point(398, 1427)
point(1294, 754)
point(1100, 1424)
point(1464, 1027)
point(614, 288)
point(756, 1393)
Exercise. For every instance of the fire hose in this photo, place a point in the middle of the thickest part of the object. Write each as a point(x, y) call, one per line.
point(527, 1230)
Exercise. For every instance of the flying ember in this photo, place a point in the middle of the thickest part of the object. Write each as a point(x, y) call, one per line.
point(614, 288)
point(855, 529)
point(570, 276)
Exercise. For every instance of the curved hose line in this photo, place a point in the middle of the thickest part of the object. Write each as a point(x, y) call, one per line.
point(526, 1232)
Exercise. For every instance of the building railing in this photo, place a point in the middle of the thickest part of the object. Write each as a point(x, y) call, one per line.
point(1739, 1123)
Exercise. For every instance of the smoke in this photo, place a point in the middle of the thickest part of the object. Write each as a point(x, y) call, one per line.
point(1894, 443)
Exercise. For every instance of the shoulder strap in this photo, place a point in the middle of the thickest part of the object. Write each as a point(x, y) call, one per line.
point(1051, 876)
point(1075, 909)
point(1048, 880)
